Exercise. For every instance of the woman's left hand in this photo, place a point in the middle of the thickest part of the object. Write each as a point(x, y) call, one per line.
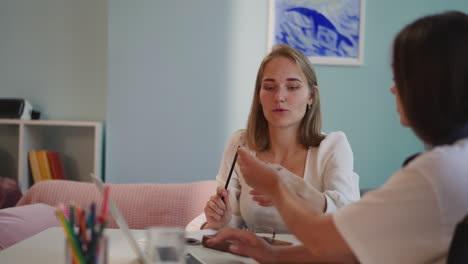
point(261, 199)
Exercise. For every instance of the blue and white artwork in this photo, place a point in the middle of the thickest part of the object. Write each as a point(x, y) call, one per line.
point(327, 31)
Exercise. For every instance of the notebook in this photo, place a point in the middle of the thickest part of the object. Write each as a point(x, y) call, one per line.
point(122, 224)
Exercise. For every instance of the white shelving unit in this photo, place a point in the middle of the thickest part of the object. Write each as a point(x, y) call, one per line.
point(79, 143)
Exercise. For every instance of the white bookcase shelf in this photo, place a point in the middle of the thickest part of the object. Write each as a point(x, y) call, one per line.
point(80, 145)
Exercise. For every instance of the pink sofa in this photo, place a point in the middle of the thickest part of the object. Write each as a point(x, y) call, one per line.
point(142, 205)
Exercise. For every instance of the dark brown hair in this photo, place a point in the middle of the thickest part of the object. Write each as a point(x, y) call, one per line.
point(430, 67)
point(310, 130)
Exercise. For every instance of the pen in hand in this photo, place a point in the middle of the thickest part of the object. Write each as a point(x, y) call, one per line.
point(230, 174)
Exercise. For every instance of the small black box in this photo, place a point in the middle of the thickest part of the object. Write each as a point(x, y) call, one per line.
point(15, 108)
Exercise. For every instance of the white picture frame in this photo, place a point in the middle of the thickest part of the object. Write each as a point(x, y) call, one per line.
point(329, 32)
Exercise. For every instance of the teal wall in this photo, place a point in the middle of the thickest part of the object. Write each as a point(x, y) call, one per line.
point(173, 83)
point(167, 76)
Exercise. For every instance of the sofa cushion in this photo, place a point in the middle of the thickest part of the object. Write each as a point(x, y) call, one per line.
point(142, 205)
point(18, 223)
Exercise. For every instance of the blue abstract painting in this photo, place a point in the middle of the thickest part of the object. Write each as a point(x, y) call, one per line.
point(328, 30)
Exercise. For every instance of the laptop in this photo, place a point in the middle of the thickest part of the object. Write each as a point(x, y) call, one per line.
point(122, 224)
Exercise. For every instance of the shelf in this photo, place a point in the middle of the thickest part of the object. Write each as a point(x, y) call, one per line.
point(80, 144)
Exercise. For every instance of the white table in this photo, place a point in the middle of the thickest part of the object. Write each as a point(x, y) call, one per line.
point(49, 247)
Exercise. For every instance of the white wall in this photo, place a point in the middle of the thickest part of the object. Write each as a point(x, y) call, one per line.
point(247, 47)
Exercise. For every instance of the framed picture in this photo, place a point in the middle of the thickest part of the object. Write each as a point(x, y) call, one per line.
point(327, 31)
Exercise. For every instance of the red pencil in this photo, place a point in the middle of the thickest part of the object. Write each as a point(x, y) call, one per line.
point(105, 200)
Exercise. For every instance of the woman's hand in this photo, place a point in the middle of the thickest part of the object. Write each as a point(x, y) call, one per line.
point(245, 243)
point(261, 199)
point(217, 211)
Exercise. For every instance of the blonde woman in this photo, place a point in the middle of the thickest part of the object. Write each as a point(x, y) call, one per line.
point(285, 130)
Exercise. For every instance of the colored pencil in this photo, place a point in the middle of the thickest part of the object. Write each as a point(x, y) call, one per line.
point(105, 200)
point(75, 248)
point(81, 223)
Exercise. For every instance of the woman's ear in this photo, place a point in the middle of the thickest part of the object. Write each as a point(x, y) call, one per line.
point(313, 94)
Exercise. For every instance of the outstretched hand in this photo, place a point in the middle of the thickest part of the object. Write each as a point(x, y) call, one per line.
point(245, 243)
point(259, 175)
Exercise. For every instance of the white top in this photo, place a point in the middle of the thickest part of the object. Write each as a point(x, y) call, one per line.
point(328, 168)
point(411, 218)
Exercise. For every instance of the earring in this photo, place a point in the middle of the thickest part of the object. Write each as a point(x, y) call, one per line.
point(308, 107)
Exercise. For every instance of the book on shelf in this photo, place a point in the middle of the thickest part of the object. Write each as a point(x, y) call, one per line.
point(44, 165)
point(34, 165)
point(56, 166)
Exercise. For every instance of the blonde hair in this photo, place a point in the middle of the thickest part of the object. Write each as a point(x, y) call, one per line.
point(310, 129)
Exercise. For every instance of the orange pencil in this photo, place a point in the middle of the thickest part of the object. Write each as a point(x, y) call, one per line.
point(81, 223)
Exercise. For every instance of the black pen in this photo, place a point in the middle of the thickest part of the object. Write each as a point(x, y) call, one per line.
point(230, 174)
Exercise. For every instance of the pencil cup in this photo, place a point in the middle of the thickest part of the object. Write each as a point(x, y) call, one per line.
point(166, 245)
point(95, 254)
